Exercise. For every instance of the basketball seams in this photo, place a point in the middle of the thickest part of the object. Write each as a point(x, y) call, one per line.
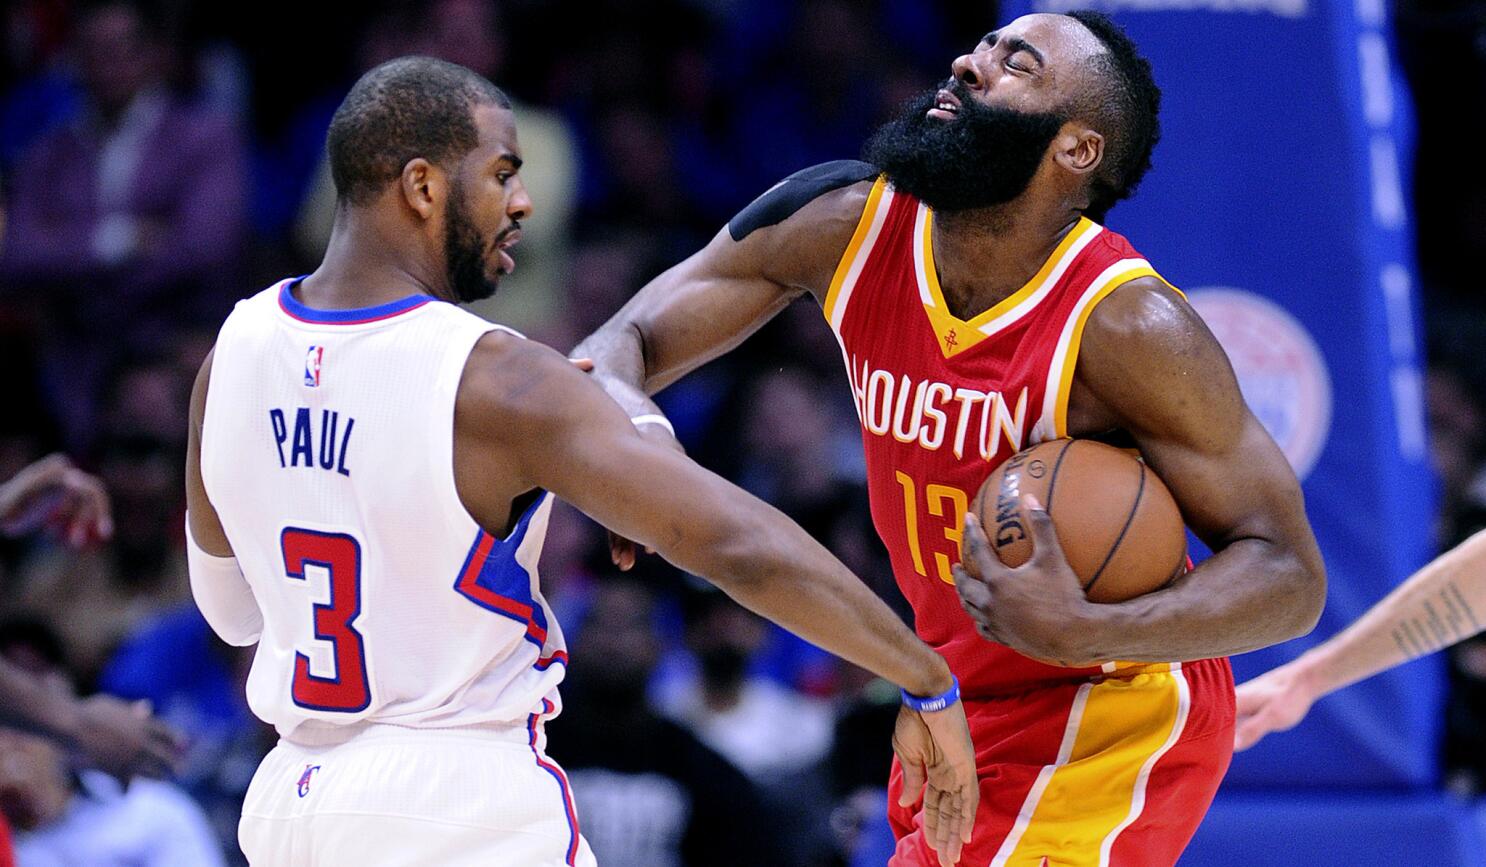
point(1052, 482)
point(1129, 520)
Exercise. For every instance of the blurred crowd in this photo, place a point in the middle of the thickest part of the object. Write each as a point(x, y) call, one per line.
point(160, 160)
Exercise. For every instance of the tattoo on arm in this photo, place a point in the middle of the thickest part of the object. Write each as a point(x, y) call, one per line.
point(1430, 629)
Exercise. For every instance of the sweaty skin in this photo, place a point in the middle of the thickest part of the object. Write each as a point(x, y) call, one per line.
point(528, 419)
point(1149, 370)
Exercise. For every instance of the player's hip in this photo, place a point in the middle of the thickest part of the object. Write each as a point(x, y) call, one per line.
point(1077, 771)
point(491, 783)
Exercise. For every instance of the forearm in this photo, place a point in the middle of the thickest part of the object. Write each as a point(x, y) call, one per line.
point(1249, 595)
point(1440, 605)
point(29, 704)
point(618, 353)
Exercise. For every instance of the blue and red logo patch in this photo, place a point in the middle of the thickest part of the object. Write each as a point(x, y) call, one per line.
point(304, 779)
point(312, 362)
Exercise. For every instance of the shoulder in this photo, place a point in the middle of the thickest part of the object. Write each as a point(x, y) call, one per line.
point(1146, 315)
point(795, 233)
point(835, 188)
point(512, 385)
point(1149, 359)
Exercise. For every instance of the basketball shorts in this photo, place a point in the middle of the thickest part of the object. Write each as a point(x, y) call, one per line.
point(1117, 771)
point(399, 797)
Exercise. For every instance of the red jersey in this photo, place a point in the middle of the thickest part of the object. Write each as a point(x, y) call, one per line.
point(943, 401)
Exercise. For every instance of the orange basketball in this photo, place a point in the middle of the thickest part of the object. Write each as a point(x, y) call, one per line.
point(1119, 527)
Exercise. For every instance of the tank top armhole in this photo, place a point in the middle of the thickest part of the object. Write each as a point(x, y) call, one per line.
point(854, 258)
point(1065, 357)
point(451, 375)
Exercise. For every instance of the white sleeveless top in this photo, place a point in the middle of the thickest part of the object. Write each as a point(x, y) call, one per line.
point(327, 451)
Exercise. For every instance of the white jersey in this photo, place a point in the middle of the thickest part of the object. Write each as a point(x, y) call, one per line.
point(327, 451)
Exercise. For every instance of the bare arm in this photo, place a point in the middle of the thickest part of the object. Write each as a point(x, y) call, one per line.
point(1150, 367)
point(711, 302)
point(539, 423)
point(1440, 605)
point(217, 584)
point(117, 737)
point(1153, 366)
point(526, 418)
point(206, 527)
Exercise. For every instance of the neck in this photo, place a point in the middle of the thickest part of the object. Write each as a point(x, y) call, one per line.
point(984, 255)
point(367, 264)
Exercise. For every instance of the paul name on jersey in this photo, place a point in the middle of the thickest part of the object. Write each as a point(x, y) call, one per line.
point(333, 442)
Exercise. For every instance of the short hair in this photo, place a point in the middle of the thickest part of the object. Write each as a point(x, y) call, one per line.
point(1126, 108)
point(403, 109)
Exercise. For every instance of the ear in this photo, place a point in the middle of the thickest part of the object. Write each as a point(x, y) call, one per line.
point(1078, 149)
point(423, 186)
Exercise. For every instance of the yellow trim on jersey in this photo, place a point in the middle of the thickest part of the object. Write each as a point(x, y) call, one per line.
point(931, 275)
point(1096, 788)
point(1070, 361)
point(864, 224)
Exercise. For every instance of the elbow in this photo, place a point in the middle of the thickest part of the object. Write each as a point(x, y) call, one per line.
point(735, 558)
point(1308, 598)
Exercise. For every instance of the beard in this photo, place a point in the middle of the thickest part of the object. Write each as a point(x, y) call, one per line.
point(986, 156)
point(464, 251)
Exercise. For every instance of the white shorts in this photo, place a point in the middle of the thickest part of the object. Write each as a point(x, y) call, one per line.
point(398, 797)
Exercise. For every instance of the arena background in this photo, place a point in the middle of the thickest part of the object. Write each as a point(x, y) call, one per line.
point(1316, 193)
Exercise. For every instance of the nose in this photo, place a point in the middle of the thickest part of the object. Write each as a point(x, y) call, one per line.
point(518, 205)
point(964, 71)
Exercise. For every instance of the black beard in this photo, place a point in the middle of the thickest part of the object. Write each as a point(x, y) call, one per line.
point(464, 252)
point(985, 156)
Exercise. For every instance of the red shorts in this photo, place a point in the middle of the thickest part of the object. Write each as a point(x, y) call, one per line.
point(7, 857)
point(1114, 772)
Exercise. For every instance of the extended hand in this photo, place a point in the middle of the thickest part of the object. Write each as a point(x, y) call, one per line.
point(1272, 702)
point(1038, 608)
point(939, 764)
point(124, 740)
point(54, 493)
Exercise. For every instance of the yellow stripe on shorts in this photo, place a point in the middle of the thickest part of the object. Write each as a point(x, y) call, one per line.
point(1118, 729)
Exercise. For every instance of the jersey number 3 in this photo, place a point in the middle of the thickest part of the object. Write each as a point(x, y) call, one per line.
point(338, 556)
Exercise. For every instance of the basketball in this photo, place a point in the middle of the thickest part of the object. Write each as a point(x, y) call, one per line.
point(1119, 527)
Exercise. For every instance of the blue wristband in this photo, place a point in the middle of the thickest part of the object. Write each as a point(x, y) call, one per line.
point(934, 703)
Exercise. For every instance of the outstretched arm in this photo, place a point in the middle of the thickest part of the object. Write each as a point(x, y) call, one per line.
point(784, 244)
point(114, 736)
point(1440, 605)
point(1150, 367)
point(527, 418)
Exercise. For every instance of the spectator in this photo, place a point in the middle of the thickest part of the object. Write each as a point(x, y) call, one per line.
point(115, 249)
point(88, 818)
point(776, 736)
point(649, 793)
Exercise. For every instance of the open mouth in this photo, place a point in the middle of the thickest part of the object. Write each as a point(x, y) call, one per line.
point(507, 241)
point(946, 106)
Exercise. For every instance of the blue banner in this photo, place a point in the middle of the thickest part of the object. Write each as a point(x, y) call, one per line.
point(1278, 202)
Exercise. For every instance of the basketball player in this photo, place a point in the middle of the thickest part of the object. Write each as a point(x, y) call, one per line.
point(981, 309)
point(370, 473)
point(1442, 604)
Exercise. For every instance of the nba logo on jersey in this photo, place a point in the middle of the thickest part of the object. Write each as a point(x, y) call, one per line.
point(312, 366)
point(304, 779)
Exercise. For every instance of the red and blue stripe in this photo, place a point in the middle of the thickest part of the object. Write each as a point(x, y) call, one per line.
point(562, 781)
point(493, 579)
point(352, 316)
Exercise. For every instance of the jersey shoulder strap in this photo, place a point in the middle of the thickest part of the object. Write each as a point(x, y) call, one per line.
point(782, 200)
